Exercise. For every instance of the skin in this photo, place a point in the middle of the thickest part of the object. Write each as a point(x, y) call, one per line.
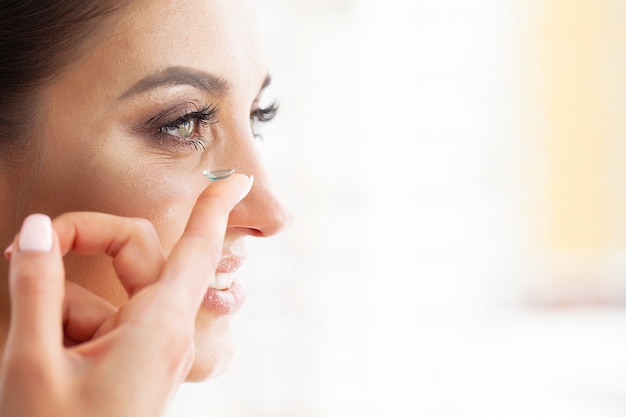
point(94, 152)
point(130, 360)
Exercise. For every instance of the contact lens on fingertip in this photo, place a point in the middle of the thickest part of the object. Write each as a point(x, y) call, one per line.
point(218, 174)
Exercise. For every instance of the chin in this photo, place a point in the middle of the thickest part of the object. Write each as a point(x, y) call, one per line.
point(214, 348)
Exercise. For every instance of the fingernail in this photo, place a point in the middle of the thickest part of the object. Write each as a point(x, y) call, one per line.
point(36, 234)
point(8, 251)
point(247, 190)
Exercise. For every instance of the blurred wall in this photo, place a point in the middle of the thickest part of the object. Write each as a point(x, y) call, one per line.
point(456, 170)
point(577, 133)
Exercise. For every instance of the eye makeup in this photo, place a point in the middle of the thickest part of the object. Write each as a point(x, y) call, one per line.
point(182, 127)
point(262, 115)
point(265, 114)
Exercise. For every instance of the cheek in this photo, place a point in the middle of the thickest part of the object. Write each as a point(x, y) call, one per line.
point(165, 200)
point(169, 211)
point(167, 204)
point(123, 183)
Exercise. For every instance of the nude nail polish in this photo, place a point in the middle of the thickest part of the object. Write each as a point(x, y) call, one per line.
point(36, 234)
point(247, 190)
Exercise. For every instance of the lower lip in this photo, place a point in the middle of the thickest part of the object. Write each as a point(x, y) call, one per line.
point(224, 302)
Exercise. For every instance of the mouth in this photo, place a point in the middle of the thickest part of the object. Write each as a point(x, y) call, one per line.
point(225, 295)
point(224, 274)
point(221, 281)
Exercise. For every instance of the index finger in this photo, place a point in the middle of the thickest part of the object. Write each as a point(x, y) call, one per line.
point(132, 243)
point(195, 257)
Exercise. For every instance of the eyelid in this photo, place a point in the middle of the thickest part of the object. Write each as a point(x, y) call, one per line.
point(204, 117)
point(179, 114)
point(202, 113)
point(265, 114)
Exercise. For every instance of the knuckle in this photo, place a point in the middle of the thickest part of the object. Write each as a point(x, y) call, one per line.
point(205, 245)
point(143, 227)
point(216, 201)
point(180, 345)
point(26, 365)
point(143, 232)
point(28, 283)
point(64, 218)
point(174, 324)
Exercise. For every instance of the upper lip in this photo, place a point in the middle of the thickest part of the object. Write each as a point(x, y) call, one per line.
point(229, 263)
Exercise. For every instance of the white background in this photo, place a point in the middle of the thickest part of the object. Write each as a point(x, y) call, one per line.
point(399, 290)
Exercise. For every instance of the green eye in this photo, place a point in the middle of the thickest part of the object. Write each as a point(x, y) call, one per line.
point(183, 130)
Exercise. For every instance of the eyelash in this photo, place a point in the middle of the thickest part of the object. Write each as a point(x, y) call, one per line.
point(262, 115)
point(265, 114)
point(205, 117)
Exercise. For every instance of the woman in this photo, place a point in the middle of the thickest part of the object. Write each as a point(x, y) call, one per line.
point(111, 110)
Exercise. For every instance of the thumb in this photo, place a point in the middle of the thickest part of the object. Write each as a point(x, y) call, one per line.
point(36, 287)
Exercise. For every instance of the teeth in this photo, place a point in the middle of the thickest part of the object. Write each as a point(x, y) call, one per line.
point(221, 281)
point(212, 282)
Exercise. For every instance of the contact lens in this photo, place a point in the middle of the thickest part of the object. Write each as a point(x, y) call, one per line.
point(219, 174)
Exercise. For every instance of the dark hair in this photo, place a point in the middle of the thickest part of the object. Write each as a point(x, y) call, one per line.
point(38, 39)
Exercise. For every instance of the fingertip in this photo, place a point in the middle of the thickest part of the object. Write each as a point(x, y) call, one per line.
point(234, 188)
point(36, 234)
point(200, 247)
point(36, 287)
point(246, 190)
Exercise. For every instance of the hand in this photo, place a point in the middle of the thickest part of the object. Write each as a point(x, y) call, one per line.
point(114, 362)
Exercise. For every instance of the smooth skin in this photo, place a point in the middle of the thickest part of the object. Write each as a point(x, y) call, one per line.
point(110, 370)
point(99, 143)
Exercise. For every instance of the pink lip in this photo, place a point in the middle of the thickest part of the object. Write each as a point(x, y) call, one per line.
point(229, 264)
point(225, 302)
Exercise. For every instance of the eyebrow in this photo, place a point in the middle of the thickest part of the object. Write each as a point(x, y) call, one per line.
point(267, 81)
point(173, 76)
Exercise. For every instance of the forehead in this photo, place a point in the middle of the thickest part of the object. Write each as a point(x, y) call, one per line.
point(217, 36)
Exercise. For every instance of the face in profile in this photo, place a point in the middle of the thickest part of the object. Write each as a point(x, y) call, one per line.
point(170, 89)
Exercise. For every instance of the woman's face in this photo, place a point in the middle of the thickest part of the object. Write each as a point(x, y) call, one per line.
point(129, 130)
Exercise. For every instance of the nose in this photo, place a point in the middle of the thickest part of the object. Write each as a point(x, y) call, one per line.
point(264, 212)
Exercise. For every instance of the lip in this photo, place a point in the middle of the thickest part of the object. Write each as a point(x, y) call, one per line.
point(228, 301)
point(229, 264)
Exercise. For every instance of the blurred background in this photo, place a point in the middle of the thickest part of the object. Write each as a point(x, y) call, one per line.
point(458, 173)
